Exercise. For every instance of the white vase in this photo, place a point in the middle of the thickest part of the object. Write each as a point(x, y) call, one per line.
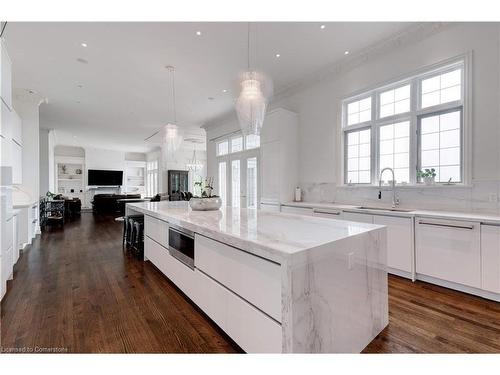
point(205, 204)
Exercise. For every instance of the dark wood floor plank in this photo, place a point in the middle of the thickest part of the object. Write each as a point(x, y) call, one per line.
point(75, 288)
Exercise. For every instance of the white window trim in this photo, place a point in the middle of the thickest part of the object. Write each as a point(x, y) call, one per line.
point(415, 78)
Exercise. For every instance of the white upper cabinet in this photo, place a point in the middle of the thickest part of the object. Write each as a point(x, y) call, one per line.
point(279, 155)
point(449, 250)
point(490, 258)
point(6, 76)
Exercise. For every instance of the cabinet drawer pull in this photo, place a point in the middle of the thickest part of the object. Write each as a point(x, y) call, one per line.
point(447, 225)
point(326, 212)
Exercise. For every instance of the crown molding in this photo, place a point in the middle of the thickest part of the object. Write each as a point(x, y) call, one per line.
point(29, 96)
point(411, 35)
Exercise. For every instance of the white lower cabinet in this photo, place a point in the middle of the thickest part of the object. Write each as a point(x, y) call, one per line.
point(297, 210)
point(490, 258)
point(240, 292)
point(449, 250)
point(249, 327)
point(399, 241)
point(257, 280)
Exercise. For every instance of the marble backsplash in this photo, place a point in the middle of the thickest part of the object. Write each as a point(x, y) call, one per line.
point(481, 196)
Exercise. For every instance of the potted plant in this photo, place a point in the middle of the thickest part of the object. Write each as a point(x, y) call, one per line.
point(205, 201)
point(428, 175)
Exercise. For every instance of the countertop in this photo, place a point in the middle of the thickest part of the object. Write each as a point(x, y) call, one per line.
point(272, 235)
point(485, 218)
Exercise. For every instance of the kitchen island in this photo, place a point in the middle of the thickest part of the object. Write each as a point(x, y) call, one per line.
point(274, 282)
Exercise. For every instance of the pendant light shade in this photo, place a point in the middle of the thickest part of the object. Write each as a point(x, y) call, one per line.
point(252, 102)
point(171, 138)
point(251, 105)
point(172, 134)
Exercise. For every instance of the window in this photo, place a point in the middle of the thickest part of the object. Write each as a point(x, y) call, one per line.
point(252, 182)
point(252, 141)
point(395, 101)
point(222, 182)
point(358, 157)
point(440, 145)
point(394, 150)
point(441, 89)
point(152, 178)
point(223, 148)
point(413, 124)
point(235, 183)
point(359, 111)
point(237, 144)
point(238, 163)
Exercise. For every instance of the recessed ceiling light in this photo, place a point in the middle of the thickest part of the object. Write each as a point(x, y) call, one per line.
point(84, 44)
point(322, 27)
point(198, 33)
point(346, 52)
point(211, 98)
point(278, 55)
point(224, 90)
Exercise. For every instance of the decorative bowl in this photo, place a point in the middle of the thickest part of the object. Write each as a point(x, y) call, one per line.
point(205, 204)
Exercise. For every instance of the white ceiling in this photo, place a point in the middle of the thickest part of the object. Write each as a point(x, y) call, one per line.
point(125, 93)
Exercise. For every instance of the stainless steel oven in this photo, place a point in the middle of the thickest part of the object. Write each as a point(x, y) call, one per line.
point(181, 245)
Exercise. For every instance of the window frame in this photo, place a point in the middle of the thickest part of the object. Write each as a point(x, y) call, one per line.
point(462, 62)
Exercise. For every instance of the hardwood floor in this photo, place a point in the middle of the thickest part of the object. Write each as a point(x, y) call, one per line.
point(74, 290)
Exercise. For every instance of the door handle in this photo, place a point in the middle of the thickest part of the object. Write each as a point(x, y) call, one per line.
point(470, 227)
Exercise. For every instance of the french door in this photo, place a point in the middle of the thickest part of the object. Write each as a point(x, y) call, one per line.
point(239, 179)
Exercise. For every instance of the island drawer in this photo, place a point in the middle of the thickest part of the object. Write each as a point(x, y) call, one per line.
point(156, 229)
point(176, 271)
point(255, 279)
point(250, 328)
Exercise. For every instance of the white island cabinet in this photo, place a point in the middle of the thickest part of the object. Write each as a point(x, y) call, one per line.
point(275, 282)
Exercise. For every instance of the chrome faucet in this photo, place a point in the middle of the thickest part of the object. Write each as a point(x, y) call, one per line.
point(395, 200)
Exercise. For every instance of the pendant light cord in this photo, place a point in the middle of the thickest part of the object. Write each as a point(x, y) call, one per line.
point(248, 47)
point(173, 95)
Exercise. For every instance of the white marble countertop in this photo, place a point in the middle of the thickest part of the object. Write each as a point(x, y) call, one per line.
point(272, 235)
point(486, 218)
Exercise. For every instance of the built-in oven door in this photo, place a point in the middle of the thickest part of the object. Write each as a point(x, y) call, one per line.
point(181, 245)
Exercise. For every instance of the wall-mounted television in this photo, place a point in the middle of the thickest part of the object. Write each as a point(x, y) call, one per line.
point(99, 177)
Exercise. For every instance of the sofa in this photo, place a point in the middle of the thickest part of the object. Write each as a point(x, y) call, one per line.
point(108, 203)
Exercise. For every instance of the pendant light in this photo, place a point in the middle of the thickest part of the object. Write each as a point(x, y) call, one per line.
point(252, 101)
point(172, 133)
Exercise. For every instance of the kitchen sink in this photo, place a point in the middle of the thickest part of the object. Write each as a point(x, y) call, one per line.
point(384, 209)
